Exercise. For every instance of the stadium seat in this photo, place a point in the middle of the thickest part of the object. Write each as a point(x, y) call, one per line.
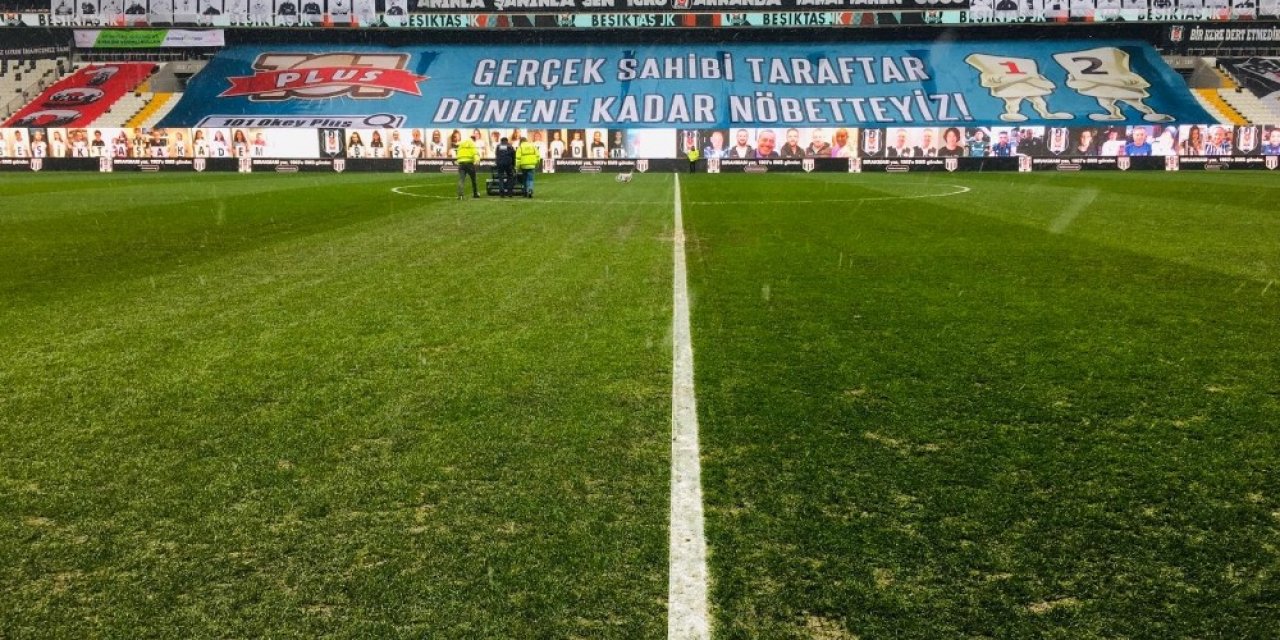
point(1216, 106)
point(45, 74)
point(1249, 106)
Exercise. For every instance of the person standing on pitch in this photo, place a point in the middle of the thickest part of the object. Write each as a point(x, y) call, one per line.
point(467, 156)
point(692, 155)
point(527, 157)
point(504, 159)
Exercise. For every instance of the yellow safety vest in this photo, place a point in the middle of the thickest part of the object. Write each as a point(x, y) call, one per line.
point(527, 156)
point(467, 152)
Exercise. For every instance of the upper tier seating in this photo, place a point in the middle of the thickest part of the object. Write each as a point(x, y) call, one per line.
point(22, 80)
point(82, 96)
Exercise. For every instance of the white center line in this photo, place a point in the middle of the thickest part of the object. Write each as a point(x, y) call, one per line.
point(687, 583)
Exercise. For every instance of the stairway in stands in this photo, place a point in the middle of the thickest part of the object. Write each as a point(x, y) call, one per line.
point(140, 109)
point(158, 106)
point(1220, 109)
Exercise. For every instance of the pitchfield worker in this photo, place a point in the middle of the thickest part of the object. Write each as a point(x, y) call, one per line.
point(467, 156)
point(527, 157)
point(692, 154)
point(504, 158)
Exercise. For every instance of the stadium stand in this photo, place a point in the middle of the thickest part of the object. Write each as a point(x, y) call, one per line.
point(22, 80)
point(1261, 75)
point(1249, 106)
point(1225, 81)
point(157, 106)
point(1203, 80)
point(82, 96)
point(124, 110)
point(1212, 101)
point(1213, 89)
point(1231, 101)
point(1256, 87)
point(154, 98)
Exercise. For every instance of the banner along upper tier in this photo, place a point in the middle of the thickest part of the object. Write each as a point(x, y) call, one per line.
point(1058, 83)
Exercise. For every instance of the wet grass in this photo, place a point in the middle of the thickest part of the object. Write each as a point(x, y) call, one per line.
point(261, 406)
point(1045, 408)
point(294, 406)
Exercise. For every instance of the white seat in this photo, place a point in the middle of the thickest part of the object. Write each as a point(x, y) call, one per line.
point(162, 110)
point(1253, 109)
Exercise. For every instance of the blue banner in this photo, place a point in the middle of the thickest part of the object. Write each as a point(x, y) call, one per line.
point(1058, 83)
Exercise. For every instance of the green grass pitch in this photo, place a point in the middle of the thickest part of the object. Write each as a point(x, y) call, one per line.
point(932, 406)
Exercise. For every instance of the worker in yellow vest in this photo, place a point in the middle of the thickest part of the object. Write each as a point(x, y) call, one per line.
point(467, 156)
point(692, 155)
point(527, 158)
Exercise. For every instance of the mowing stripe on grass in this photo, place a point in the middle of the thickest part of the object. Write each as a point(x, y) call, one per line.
point(1075, 207)
point(687, 584)
point(956, 190)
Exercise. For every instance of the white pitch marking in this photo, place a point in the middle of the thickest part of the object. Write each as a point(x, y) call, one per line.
point(398, 191)
point(687, 617)
point(958, 189)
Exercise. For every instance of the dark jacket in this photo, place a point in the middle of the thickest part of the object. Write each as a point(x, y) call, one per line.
point(504, 155)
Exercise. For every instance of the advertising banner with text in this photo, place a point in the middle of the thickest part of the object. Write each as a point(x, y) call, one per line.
point(1059, 83)
point(148, 38)
point(746, 149)
point(567, 6)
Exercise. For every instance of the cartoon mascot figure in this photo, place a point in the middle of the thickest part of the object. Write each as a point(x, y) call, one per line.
point(1015, 80)
point(1104, 75)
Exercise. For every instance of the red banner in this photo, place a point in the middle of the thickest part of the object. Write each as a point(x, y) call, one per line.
point(264, 82)
point(80, 98)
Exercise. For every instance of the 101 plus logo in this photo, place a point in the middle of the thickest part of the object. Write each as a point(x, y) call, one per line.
point(290, 76)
